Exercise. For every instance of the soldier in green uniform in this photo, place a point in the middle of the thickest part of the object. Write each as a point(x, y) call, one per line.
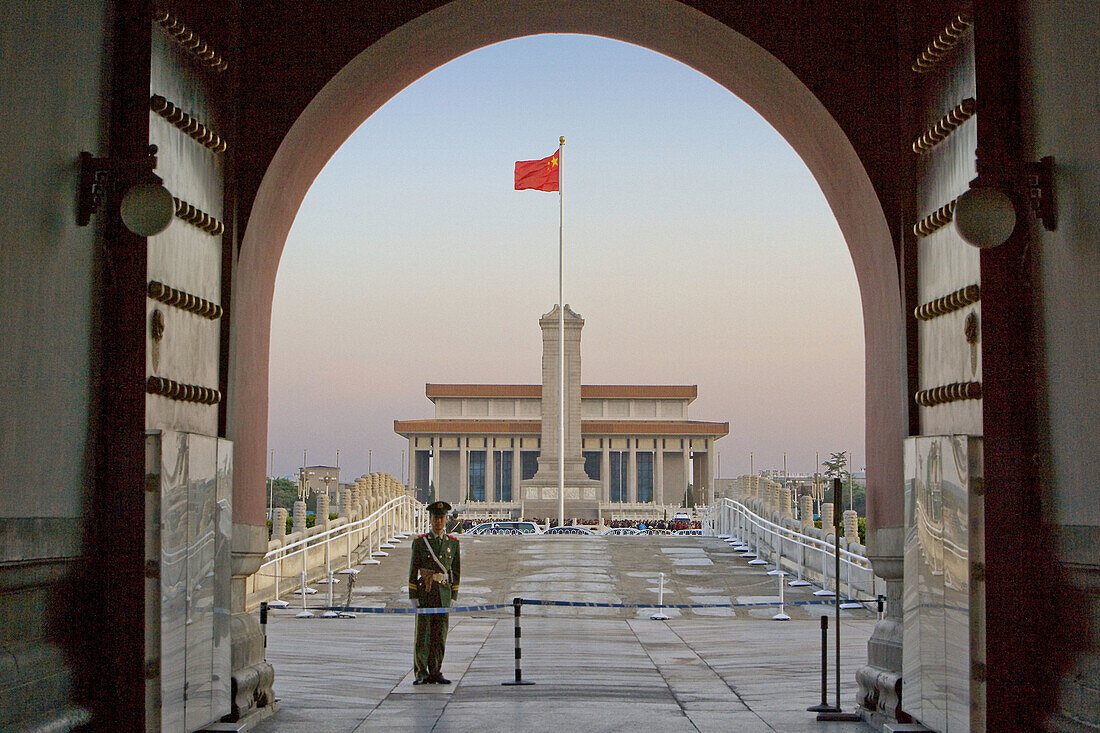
point(433, 583)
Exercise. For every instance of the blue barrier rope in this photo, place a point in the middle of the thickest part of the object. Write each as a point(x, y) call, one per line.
point(529, 602)
point(575, 604)
point(417, 611)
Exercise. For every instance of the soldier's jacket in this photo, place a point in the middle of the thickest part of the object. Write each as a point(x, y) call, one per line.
point(446, 549)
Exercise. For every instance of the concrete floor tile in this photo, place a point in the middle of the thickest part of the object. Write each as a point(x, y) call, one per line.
point(595, 668)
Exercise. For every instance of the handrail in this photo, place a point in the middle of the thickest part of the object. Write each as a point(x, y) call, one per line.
point(315, 552)
point(772, 539)
point(794, 535)
point(337, 532)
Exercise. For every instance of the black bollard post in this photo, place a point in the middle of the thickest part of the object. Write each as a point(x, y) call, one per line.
point(517, 604)
point(824, 707)
point(263, 625)
point(837, 713)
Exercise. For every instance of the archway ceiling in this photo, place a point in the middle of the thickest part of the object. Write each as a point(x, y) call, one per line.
point(844, 53)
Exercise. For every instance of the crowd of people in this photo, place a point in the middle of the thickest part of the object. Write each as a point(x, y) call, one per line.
point(672, 525)
point(458, 525)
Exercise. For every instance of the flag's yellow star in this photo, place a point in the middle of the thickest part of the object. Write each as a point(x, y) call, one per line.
point(553, 163)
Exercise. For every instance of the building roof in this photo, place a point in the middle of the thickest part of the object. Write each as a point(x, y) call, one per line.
point(588, 391)
point(489, 426)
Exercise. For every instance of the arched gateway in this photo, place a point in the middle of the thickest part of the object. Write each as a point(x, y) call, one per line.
point(410, 50)
point(248, 100)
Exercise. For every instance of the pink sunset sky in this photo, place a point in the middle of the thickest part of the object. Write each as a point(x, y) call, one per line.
point(698, 248)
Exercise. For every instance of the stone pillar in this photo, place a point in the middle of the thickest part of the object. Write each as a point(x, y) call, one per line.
point(851, 525)
point(659, 473)
point(359, 498)
point(605, 470)
point(252, 675)
point(573, 455)
point(785, 503)
point(687, 463)
point(517, 470)
point(278, 524)
point(410, 469)
point(827, 518)
point(346, 499)
point(880, 679)
point(463, 469)
point(632, 470)
point(806, 502)
point(490, 471)
point(437, 454)
point(712, 470)
point(299, 516)
point(322, 510)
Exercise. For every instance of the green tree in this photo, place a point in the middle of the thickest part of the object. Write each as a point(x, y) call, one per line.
point(689, 497)
point(854, 492)
point(836, 466)
point(284, 493)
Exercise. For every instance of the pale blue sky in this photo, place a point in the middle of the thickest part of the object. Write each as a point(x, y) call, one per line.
point(697, 247)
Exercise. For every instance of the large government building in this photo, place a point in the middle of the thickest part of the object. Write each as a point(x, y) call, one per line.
point(630, 450)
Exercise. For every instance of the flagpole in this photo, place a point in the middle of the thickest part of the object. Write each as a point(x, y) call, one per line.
point(561, 341)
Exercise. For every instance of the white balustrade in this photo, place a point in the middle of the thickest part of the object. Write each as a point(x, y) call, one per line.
point(342, 544)
point(810, 558)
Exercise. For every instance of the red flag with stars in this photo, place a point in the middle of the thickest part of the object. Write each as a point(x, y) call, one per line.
point(540, 175)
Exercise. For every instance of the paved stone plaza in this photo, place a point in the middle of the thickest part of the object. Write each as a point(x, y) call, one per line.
point(593, 668)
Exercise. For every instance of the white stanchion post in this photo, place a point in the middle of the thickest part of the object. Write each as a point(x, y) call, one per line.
point(660, 615)
point(782, 615)
point(330, 613)
point(824, 573)
point(304, 613)
point(798, 582)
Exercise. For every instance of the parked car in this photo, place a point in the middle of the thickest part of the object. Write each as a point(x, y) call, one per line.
point(505, 528)
point(568, 530)
point(495, 530)
point(623, 531)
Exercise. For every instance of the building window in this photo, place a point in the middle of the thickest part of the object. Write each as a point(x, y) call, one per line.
point(592, 464)
point(502, 474)
point(529, 463)
point(645, 476)
point(617, 479)
point(476, 474)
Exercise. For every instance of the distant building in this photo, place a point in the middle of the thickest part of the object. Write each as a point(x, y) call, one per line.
point(321, 480)
point(629, 449)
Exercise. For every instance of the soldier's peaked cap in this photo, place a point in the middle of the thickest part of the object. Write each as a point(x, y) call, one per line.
point(439, 508)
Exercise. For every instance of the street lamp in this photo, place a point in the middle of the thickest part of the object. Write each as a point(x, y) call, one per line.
point(327, 478)
point(303, 484)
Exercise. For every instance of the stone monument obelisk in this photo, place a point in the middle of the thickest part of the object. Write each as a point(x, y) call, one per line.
point(540, 493)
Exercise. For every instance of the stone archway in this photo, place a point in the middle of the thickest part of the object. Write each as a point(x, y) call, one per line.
point(712, 48)
point(668, 27)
